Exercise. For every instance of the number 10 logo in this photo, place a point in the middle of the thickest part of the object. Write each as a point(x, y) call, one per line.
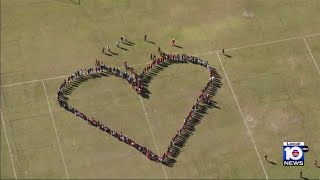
point(293, 155)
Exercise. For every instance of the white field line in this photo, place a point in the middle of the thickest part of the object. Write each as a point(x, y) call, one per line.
point(5, 132)
point(315, 63)
point(230, 49)
point(15, 84)
point(55, 130)
point(271, 42)
point(58, 77)
point(154, 139)
point(263, 43)
point(245, 122)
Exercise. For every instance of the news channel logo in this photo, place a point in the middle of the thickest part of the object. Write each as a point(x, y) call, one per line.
point(293, 153)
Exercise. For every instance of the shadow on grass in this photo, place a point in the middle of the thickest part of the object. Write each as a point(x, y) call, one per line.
point(271, 162)
point(113, 53)
point(151, 42)
point(128, 44)
point(226, 55)
point(105, 53)
point(123, 48)
point(190, 126)
point(178, 46)
point(196, 118)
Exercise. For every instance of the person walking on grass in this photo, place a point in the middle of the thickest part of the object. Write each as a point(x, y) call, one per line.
point(126, 65)
point(315, 163)
point(301, 174)
point(145, 37)
point(163, 156)
point(173, 42)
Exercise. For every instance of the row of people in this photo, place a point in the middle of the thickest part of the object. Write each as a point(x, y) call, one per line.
point(203, 98)
point(61, 94)
point(136, 82)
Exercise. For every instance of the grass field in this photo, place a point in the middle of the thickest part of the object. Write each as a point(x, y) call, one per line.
point(269, 93)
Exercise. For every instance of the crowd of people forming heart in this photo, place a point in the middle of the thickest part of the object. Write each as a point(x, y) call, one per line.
point(137, 80)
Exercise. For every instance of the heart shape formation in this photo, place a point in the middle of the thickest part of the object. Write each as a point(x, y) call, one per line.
point(139, 83)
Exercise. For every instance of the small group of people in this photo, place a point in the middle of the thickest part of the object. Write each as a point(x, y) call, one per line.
point(152, 57)
point(177, 58)
point(135, 79)
point(99, 68)
point(137, 84)
point(123, 39)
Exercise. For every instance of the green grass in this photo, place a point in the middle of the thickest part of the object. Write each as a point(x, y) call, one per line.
point(30, 132)
point(6, 165)
point(314, 46)
point(279, 98)
point(277, 86)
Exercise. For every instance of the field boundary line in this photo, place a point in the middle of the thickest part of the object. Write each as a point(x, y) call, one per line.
point(26, 82)
point(154, 139)
point(58, 77)
point(315, 63)
point(272, 42)
point(245, 122)
point(210, 52)
point(5, 132)
point(259, 44)
point(55, 130)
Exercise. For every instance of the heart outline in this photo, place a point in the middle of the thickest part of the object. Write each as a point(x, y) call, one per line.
point(140, 86)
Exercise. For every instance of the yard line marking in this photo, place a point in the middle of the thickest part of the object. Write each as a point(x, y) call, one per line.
point(58, 77)
point(245, 122)
point(210, 52)
point(55, 130)
point(271, 42)
point(263, 43)
point(5, 132)
point(154, 139)
point(315, 34)
point(26, 82)
point(315, 63)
